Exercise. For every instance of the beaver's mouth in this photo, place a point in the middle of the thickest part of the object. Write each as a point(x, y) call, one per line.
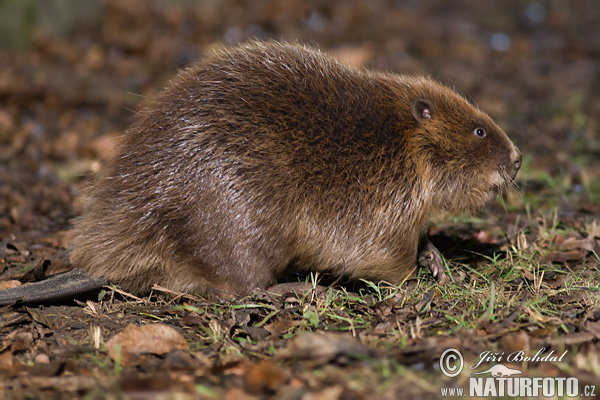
point(498, 179)
point(503, 181)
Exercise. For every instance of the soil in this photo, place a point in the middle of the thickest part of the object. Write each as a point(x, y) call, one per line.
point(525, 273)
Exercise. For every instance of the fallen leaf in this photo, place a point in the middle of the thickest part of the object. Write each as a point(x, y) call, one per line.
point(323, 347)
point(356, 56)
point(42, 359)
point(559, 256)
point(249, 332)
point(515, 341)
point(385, 307)
point(136, 340)
point(38, 273)
point(18, 340)
point(561, 298)
point(178, 359)
point(526, 274)
point(424, 305)
point(593, 228)
point(8, 318)
point(18, 247)
point(43, 317)
point(281, 326)
point(295, 288)
point(154, 382)
point(237, 368)
point(22, 341)
point(6, 361)
point(484, 237)
point(192, 319)
point(238, 394)
point(564, 340)
point(593, 327)
point(264, 376)
point(202, 359)
point(542, 332)
point(588, 243)
point(330, 393)
point(105, 146)
point(9, 284)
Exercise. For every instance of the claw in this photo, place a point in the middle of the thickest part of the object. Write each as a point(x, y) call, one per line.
point(430, 257)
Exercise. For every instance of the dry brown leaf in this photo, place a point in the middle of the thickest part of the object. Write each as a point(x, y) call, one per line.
point(6, 361)
point(323, 346)
point(593, 228)
point(44, 318)
point(330, 393)
point(127, 345)
point(575, 297)
point(238, 394)
point(559, 256)
point(281, 326)
point(8, 318)
point(526, 274)
point(356, 56)
point(192, 319)
point(593, 327)
point(22, 341)
point(485, 237)
point(296, 288)
point(389, 305)
point(42, 359)
point(542, 332)
point(564, 340)
point(105, 146)
point(202, 359)
point(515, 342)
point(9, 284)
point(38, 273)
point(424, 305)
point(18, 340)
point(588, 244)
point(264, 376)
point(7, 121)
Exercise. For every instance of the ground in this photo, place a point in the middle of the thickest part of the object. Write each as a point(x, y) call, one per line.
point(524, 274)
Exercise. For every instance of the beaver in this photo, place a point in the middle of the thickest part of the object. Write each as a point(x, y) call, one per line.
point(270, 157)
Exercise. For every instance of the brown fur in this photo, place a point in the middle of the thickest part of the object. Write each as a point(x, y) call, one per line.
point(272, 156)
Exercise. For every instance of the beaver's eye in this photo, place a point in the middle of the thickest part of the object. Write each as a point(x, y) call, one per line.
point(479, 132)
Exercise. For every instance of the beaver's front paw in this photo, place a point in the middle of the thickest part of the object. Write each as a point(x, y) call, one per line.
point(429, 256)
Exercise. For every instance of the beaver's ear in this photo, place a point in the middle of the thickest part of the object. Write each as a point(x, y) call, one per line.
point(422, 109)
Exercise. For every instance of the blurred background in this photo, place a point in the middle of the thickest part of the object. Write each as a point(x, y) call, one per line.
point(72, 73)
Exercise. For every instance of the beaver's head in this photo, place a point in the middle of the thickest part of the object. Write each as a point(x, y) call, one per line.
point(467, 158)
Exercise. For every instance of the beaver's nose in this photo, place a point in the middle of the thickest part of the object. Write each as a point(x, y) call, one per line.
point(516, 163)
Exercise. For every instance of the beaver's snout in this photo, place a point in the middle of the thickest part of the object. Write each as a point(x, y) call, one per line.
point(515, 163)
